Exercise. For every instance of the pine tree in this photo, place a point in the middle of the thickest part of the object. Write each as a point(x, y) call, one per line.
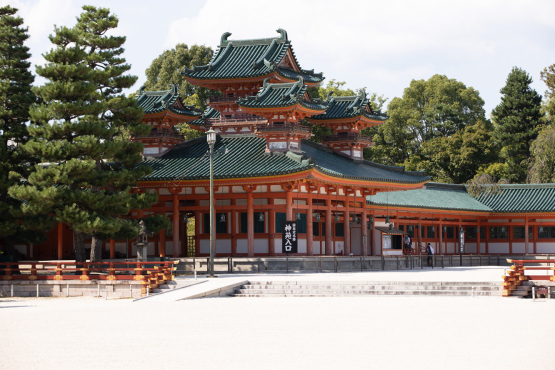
point(81, 131)
point(517, 122)
point(15, 99)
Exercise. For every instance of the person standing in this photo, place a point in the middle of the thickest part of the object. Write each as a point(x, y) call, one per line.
point(430, 253)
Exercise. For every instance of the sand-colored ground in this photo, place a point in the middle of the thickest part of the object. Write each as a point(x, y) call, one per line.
point(282, 333)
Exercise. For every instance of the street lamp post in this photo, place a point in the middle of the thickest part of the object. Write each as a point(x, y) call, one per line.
point(211, 139)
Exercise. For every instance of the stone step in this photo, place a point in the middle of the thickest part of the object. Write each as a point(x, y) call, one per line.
point(345, 283)
point(372, 287)
point(367, 293)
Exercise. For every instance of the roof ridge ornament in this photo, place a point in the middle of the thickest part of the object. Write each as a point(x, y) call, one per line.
point(283, 34)
point(225, 36)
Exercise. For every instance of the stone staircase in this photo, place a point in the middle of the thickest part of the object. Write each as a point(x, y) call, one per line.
point(364, 288)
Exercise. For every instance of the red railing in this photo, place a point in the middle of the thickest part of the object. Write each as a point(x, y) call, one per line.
point(350, 137)
point(128, 270)
point(236, 121)
point(518, 273)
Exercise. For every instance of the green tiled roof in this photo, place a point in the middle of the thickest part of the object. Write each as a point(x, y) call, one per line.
point(280, 95)
point(159, 101)
point(520, 198)
point(435, 196)
point(206, 115)
point(250, 58)
point(349, 106)
point(244, 156)
point(335, 164)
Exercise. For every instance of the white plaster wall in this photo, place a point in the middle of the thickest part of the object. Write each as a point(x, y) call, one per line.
point(223, 246)
point(339, 247)
point(498, 247)
point(261, 246)
point(451, 248)
point(482, 247)
point(277, 245)
point(316, 247)
point(393, 252)
point(519, 247)
point(470, 248)
point(545, 247)
point(204, 246)
point(242, 246)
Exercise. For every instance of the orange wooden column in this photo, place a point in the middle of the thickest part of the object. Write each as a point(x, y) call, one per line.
point(478, 238)
point(526, 235)
point(346, 224)
point(309, 224)
point(250, 223)
point(112, 249)
point(175, 223)
point(328, 223)
point(60, 241)
point(289, 204)
point(272, 230)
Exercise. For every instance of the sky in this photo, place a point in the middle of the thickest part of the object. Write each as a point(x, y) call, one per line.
point(379, 45)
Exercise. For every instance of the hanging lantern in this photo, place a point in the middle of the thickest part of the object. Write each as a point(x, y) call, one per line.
point(222, 217)
point(298, 216)
point(387, 219)
point(355, 219)
point(371, 220)
point(261, 217)
point(185, 218)
point(336, 218)
point(390, 226)
point(317, 217)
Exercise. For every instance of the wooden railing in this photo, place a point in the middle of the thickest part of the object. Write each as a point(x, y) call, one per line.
point(516, 275)
point(149, 274)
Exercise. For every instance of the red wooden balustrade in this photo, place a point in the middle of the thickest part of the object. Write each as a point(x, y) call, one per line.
point(128, 270)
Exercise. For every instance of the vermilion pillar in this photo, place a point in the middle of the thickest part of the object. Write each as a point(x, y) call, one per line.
point(347, 225)
point(309, 232)
point(289, 205)
point(329, 241)
point(112, 249)
point(250, 224)
point(175, 226)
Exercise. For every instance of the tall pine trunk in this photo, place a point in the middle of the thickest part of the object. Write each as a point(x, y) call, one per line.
point(96, 249)
point(79, 246)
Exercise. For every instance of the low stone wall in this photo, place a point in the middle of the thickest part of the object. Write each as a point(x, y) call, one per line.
point(71, 288)
point(339, 263)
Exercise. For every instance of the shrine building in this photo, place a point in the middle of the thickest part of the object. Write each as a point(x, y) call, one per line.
point(267, 171)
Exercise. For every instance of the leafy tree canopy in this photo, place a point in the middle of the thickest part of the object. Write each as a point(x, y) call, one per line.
point(432, 109)
point(15, 99)
point(517, 121)
point(80, 133)
point(167, 67)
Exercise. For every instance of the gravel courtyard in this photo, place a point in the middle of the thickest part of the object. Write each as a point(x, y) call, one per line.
point(279, 333)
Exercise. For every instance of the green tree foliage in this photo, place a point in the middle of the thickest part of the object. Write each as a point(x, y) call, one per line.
point(542, 166)
point(15, 99)
point(548, 76)
point(517, 122)
point(80, 132)
point(167, 67)
point(456, 158)
point(436, 108)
